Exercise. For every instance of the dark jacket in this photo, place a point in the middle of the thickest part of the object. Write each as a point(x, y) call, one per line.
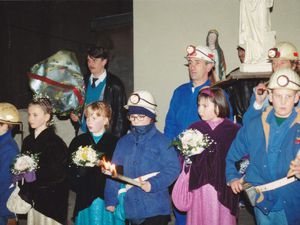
point(89, 182)
point(50, 190)
point(115, 96)
point(8, 152)
point(209, 166)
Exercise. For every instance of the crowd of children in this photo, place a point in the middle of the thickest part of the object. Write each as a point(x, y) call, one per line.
point(208, 185)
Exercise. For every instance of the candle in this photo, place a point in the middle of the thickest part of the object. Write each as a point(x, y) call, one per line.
point(110, 170)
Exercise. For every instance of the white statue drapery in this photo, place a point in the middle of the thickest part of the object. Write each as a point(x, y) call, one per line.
point(255, 34)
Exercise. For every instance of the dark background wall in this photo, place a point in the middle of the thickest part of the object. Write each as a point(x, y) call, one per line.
point(32, 31)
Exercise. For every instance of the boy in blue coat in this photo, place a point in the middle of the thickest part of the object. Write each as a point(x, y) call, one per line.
point(9, 115)
point(142, 152)
point(272, 141)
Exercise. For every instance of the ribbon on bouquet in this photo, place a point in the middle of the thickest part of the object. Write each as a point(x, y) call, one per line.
point(28, 176)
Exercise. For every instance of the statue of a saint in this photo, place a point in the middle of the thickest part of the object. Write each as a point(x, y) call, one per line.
point(255, 34)
point(212, 41)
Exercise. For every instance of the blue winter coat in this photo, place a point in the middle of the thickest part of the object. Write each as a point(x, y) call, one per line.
point(269, 162)
point(183, 110)
point(141, 155)
point(8, 152)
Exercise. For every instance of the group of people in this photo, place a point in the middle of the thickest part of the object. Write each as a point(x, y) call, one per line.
point(206, 186)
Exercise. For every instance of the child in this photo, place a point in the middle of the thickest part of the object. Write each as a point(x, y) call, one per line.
point(201, 188)
point(141, 152)
point(49, 193)
point(272, 142)
point(9, 115)
point(89, 182)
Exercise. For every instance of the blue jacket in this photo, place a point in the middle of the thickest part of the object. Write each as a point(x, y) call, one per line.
point(183, 110)
point(271, 149)
point(141, 155)
point(8, 152)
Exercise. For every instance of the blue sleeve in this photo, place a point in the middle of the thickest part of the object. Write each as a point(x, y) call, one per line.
point(170, 123)
point(7, 159)
point(237, 150)
point(112, 186)
point(169, 172)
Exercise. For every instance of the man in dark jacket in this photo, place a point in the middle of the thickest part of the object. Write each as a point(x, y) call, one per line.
point(102, 85)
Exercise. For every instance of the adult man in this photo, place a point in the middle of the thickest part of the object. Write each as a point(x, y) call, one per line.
point(283, 55)
point(102, 85)
point(183, 109)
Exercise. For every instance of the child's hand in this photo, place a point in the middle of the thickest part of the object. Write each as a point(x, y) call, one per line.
point(146, 186)
point(261, 93)
point(236, 186)
point(295, 167)
point(110, 208)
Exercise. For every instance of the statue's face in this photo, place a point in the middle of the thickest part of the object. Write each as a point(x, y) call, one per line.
point(212, 38)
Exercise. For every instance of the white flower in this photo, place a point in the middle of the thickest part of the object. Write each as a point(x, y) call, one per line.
point(191, 142)
point(25, 163)
point(85, 156)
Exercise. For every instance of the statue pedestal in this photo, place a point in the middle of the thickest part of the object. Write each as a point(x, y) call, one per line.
point(254, 68)
point(237, 76)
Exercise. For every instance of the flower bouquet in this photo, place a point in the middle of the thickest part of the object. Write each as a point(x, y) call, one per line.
point(25, 166)
point(191, 142)
point(86, 156)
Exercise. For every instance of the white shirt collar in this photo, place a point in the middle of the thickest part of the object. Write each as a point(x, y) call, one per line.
point(100, 78)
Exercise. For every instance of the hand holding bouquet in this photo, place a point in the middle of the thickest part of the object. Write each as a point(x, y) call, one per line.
point(86, 157)
point(25, 166)
point(191, 142)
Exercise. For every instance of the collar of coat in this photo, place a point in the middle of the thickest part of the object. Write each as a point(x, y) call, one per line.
point(266, 126)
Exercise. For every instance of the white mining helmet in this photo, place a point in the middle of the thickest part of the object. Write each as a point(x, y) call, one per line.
point(285, 78)
point(200, 52)
point(142, 99)
point(9, 113)
point(284, 51)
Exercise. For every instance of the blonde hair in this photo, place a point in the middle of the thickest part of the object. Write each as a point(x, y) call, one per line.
point(101, 108)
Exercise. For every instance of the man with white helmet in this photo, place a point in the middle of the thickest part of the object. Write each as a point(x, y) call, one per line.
point(144, 152)
point(272, 141)
point(9, 116)
point(183, 107)
point(183, 110)
point(283, 55)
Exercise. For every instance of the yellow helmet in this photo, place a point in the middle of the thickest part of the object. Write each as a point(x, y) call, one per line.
point(285, 78)
point(9, 113)
point(284, 51)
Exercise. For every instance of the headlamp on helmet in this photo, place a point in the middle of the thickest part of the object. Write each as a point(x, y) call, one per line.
point(136, 98)
point(283, 51)
point(285, 78)
point(201, 52)
point(142, 99)
point(274, 53)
